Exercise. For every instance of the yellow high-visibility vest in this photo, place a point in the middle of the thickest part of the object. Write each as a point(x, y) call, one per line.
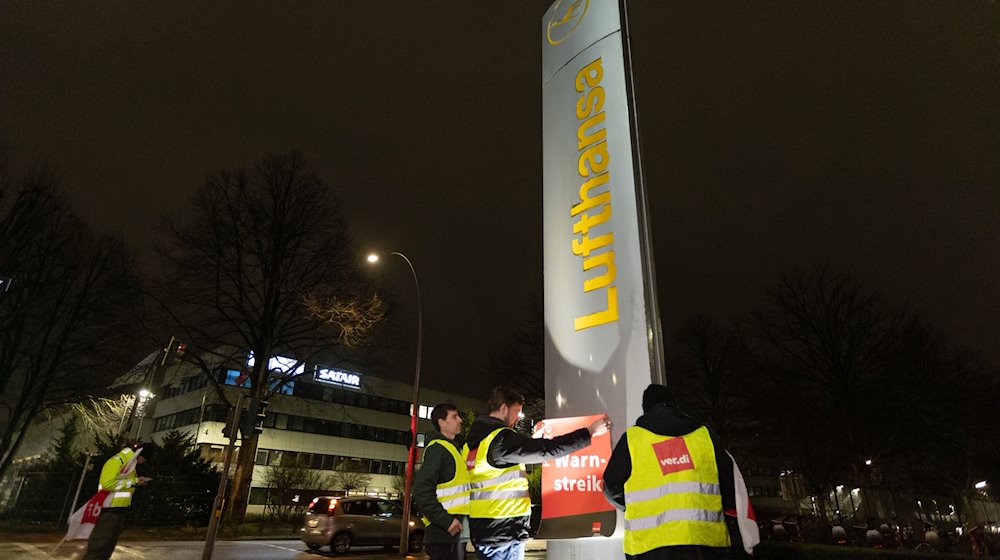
point(672, 496)
point(496, 493)
point(453, 494)
point(119, 485)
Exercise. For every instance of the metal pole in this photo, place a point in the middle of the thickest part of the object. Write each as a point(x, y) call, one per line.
point(220, 500)
point(79, 485)
point(201, 418)
point(128, 425)
point(121, 423)
point(411, 458)
point(654, 329)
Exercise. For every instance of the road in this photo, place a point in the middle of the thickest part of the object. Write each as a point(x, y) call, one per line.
point(224, 550)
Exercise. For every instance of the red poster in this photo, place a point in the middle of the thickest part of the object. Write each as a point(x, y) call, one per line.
point(574, 484)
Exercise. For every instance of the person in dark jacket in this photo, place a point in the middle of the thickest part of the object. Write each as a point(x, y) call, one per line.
point(441, 488)
point(661, 417)
point(495, 455)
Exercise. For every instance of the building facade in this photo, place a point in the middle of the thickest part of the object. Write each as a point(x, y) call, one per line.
point(323, 419)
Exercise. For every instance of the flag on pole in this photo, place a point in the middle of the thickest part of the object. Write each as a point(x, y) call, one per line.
point(82, 522)
point(745, 518)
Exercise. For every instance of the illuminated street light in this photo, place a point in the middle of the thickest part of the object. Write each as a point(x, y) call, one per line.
point(411, 457)
point(981, 485)
point(144, 396)
point(868, 462)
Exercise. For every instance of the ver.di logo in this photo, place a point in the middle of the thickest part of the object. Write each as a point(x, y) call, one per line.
point(566, 17)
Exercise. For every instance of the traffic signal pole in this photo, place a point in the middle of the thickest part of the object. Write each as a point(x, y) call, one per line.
point(220, 497)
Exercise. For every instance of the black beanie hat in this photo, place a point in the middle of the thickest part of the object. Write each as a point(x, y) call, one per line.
point(148, 448)
point(653, 395)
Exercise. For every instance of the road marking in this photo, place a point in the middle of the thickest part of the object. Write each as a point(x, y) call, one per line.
point(129, 550)
point(282, 547)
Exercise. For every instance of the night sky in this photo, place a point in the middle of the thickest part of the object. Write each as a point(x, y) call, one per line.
point(774, 135)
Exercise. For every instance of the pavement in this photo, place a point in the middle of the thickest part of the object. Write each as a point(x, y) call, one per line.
point(285, 549)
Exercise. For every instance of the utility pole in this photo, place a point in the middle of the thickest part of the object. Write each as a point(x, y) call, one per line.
point(220, 497)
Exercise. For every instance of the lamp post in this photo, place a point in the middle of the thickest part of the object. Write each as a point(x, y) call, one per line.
point(144, 396)
point(411, 457)
point(137, 400)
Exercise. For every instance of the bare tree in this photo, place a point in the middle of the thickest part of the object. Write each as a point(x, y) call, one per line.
point(348, 480)
point(263, 265)
point(824, 348)
point(399, 484)
point(709, 375)
point(283, 484)
point(65, 320)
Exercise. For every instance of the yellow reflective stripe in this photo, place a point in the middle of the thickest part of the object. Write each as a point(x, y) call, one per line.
point(651, 521)
point(506, 477)
point(671, 488)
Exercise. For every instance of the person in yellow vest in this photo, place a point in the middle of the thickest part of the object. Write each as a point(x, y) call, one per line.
point(674, 482)
point(441, 488)
point(119, 479)
point(495, 455)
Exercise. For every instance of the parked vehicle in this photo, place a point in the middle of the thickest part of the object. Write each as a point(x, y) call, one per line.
point(341, 523)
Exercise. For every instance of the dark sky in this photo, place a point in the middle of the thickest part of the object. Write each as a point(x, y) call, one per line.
point(864, 135)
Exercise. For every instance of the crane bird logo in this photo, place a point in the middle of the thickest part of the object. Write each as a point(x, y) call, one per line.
point(566, 17)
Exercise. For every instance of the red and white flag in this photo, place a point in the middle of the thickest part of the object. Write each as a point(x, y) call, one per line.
point(82, 522)
point(745, 518)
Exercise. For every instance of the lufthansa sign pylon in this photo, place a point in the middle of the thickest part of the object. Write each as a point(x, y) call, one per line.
point(602, 329)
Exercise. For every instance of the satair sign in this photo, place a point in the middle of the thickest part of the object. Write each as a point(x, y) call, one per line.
point(338, 377)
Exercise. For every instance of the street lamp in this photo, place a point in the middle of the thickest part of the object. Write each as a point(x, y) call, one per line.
point(411, 458)
point(134, 402)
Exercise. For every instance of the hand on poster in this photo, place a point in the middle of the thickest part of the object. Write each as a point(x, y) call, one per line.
point(600, 426)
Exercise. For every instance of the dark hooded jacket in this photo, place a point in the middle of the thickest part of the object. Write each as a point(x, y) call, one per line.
point(664, 420)
point(507, 449)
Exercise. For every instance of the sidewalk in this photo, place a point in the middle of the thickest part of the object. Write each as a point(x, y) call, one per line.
point(534, 545)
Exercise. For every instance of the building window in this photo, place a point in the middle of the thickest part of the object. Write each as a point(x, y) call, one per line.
point(258, 496)
point(274, 458)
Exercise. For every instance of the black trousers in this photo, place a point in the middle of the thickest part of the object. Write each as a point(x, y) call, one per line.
point(103, 539)
point(445, 551)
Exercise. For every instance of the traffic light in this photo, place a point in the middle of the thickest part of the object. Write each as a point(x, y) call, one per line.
point(174, 352)
point(253, 422)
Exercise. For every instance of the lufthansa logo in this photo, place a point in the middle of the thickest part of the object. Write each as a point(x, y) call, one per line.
point(566, 17)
